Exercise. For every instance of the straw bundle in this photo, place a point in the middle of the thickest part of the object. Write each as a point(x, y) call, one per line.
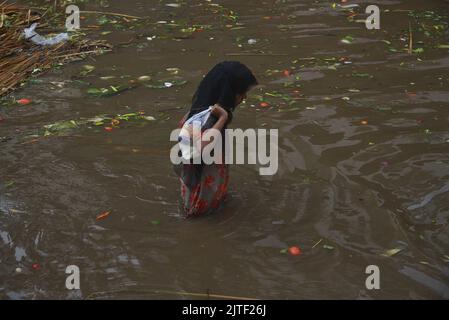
point(19, 58)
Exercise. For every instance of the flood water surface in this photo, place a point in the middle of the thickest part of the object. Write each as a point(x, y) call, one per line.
point(363, 173)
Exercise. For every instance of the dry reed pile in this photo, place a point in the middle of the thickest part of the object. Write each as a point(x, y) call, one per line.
point(19, 57)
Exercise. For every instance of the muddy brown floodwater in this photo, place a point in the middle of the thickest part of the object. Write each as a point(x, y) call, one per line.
point(363, 157)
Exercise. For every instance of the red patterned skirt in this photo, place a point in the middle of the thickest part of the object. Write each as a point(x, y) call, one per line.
point(203, 187)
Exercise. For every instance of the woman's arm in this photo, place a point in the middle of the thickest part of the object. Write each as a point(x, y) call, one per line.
point(222, 116)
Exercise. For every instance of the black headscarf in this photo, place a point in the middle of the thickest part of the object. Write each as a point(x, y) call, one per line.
point(221, 85)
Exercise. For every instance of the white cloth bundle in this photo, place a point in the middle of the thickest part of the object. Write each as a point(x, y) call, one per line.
point(191, 133)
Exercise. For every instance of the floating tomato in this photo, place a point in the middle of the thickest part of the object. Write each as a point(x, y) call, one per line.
point(108, 128)
point(264, 104)
point(24, 101)
point(294, 251)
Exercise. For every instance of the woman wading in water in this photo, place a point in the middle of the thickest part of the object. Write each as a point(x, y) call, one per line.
point(204, 186)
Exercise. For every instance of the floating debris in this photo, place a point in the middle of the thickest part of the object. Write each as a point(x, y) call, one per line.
point(173, 5)
point(348, 6)
point(103, 215)
point(9, 184)
point(107, 77)
point(391, 252)
point(144, 78)
point(317, 243)
point(173, 70)
point(347, 40)
point(109, 91)
point(24, 101)
point(36, 38)
point(87, 69)
point(165, 84)
point(362, 75)
point(64, 126)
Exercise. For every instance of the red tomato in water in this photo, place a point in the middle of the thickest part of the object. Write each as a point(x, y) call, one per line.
point(24, 101)
point(264, 104)
point(294, 251)
point(108, 128)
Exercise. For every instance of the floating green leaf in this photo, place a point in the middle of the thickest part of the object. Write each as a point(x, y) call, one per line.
point(103, 20)
point(64, 126)
point(348, 39)
point(61, 126)
point(87, 69)
point(362, 75)
point(9, 184)
point(391, 252)
point(109, 91)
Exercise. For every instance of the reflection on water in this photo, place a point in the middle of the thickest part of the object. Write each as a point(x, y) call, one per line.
point(363, 168)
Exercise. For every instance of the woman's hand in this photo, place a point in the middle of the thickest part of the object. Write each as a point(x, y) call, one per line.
point(219, 112)
point(222, 115)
